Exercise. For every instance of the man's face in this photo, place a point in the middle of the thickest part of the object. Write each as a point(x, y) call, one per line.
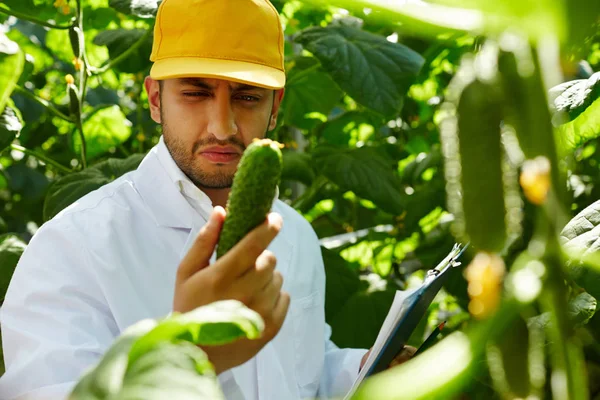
point(207, 124)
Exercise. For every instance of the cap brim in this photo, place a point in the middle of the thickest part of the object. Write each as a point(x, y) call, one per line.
point(237, 71)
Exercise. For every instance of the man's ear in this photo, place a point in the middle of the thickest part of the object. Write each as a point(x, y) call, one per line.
point(153, 90)
point(275, 110)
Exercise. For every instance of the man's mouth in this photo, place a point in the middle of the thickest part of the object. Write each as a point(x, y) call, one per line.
point(221, 155)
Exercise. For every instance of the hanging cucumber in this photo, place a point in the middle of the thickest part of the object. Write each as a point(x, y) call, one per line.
point(473, 153)
point(252, 193)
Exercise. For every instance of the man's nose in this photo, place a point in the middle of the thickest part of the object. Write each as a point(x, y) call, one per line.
point(222, 119)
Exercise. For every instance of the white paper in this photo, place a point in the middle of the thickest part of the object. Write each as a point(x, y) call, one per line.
point(390, 322)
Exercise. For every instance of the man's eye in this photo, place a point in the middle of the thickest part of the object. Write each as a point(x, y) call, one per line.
point(195, 94)
point(245, 97)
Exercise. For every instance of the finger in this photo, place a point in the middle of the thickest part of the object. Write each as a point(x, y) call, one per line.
point(266, 300)
point(198, 256)
point(279, 313)
point(243, 255)
point(254, 281)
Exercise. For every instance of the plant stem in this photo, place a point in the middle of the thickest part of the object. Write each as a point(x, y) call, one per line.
point(29, 18)
point(41, 157)
point(43, 102)
point(112, 63)
point(83, 77)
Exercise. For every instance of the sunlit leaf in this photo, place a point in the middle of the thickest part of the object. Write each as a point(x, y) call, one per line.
point(12, 61)
point(105, 129)
point(10, 126)
point(574, 97)
point(374, 71)
point(308, 90)
point(365, 172)
point(166, 351)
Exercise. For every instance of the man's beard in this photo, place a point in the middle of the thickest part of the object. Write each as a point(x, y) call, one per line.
point(184, 158)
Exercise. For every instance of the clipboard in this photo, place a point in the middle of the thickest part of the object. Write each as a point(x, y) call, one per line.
point(406, 312)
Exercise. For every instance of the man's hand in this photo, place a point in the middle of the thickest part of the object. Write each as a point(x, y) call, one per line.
point(404, 355)
point(246, 273)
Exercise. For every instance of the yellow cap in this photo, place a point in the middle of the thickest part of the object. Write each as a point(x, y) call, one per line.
point(236, 40)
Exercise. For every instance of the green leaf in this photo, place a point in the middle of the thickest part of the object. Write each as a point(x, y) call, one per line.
point(12, 61)
point(219, 323)
point(297, 167)
point(139, 8)
point(11, 248)
point(583, 128)
point(341, 283)
point(30, 183)
point(365, 171)
point(71, 188)
point(353, 332)
point(374, 71)
point(308, 90)
point(166, 351)
point(580, 239)
point(10, 126)
point(41, 58)
point(40, 9)
point(182, 369)
point(574, 97)
point(582, 308)
point(105, 129)
point(120, 40)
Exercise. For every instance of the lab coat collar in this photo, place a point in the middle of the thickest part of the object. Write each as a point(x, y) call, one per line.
point(161, 195)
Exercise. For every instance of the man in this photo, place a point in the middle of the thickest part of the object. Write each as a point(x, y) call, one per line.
point(143, 245)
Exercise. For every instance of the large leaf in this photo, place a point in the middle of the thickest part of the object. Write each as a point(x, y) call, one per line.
point(10, 126)
point(577, 111)
point(341, 283)
point(12, 61)
point(308, 90)
point(11, 248)
point(350, 331)
point(371, 69)
point(217, 324)
point(139, 8)
point(365, 171)
point(165, 351)
point(583, 128)
point(105, 129)
point(297, 167)
point(70, 188)
point(30, 183)
point(574, 97)
point(120, 40)
point(581, 239)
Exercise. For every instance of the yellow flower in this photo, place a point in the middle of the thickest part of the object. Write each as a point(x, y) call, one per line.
point(78, 63)
point(141, 137)
point(484, 275)
point(69, 79)
point(65, 9)
point(535, 179)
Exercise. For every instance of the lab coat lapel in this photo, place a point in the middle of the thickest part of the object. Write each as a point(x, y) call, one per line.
point(160, 194)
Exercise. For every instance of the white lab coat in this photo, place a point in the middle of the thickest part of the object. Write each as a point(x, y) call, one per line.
point(110, 260)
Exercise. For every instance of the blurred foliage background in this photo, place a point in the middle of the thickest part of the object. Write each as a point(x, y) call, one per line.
point(361, 121)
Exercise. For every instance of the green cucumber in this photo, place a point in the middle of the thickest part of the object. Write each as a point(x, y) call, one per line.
point(75, 37)
point(479, 114)
point(74, 106)
point(252, 193)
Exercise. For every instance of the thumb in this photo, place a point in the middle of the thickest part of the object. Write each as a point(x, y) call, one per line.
point(198, 256)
